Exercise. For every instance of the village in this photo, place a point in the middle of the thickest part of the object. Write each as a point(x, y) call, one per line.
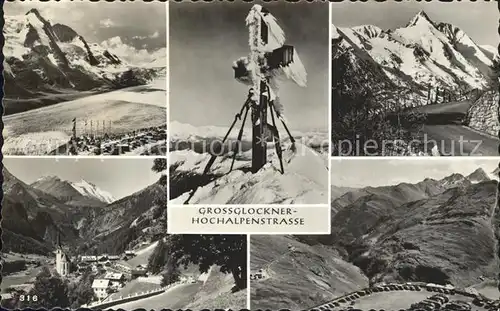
point(112, 272)
point(114, 279)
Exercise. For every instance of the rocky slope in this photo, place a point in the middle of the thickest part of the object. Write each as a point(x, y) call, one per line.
point(299, 273)
point(43, 58)
point(435, 231)
point(483, 113)
point(32, 219)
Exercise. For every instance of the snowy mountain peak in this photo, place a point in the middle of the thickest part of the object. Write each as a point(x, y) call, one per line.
point(422, 54)
point(37, 14)
point(37, 22)
point(420, 19)
point(90, 190)
point(44, 178)
point(369, 31)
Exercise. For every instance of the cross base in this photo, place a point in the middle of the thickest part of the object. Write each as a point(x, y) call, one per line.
point(259, 133)
point(259, 143)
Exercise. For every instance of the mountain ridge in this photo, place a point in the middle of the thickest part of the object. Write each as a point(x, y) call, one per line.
point(64, 189)
point(42, 59)
point(417, 58)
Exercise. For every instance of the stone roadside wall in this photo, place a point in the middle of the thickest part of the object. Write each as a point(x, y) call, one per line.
point(483, 113)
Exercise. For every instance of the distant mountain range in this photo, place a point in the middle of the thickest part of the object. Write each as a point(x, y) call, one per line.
point(63, 189)
point(420, 56)
point(392, 232)
point(406, 192)
point(43, 58)
point(84, 216)
point(434, 231)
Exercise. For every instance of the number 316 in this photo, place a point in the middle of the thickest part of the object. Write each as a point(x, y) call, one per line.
point(28, 298)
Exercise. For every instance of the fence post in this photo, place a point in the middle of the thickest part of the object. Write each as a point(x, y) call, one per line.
point(428, 94)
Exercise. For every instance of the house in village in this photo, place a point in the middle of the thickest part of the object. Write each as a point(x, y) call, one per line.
point(124, 267)
point(100, 287)
point(82, 266)
point(117, 280)
point(102, 258)
point(130, 253)
point(130, 270)
point(139, 270)
point(113, 257)
point(88, 258)
point(98, 268)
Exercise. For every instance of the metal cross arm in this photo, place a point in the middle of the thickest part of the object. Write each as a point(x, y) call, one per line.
point(269, 58)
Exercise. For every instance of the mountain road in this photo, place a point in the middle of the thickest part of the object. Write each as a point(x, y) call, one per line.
point(177, 297)
point(443, 126)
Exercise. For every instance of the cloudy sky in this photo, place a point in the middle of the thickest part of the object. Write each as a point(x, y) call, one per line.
point(120, 177)
point(205, 39)
point(479, 19)
point(382, 172)
point(136, 31)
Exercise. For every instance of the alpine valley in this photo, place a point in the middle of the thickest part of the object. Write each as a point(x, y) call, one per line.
point(84, 217)
point(440, 231)
point(52, 215)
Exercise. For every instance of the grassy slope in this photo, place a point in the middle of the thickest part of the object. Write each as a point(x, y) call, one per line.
point(216, 293)
point(318, 269)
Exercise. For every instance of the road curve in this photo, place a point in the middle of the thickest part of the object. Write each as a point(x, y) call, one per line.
point(388, 296)
point(177, 297)
point(444, 128)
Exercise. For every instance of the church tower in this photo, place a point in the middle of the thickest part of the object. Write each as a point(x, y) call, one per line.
point(62, 261)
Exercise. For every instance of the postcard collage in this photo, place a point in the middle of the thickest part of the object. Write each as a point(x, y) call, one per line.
point(257, 155)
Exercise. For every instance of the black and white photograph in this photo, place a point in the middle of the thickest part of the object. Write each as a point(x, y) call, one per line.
point(415, 78)
point(406, 234)
point(92, 233)
point(249, 103)
point(85, 78)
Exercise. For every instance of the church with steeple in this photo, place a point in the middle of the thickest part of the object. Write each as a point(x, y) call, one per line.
point(62, 260)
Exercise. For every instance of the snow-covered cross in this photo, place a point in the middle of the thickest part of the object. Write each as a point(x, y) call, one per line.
point(269, 61)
